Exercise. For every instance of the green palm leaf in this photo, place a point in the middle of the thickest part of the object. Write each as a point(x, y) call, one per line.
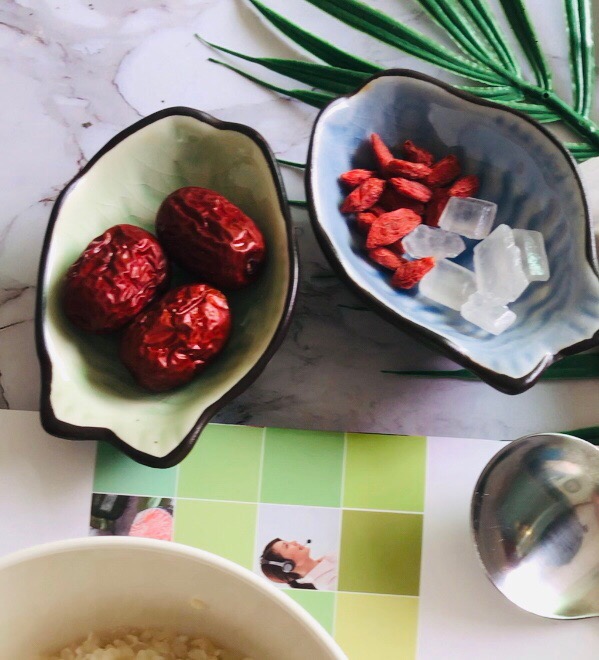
point(590, 434)
point(388, 30)
point(481, 16)
point(574, 367)
point(313, 44)
point(323, 76)
point(534, 110)
point(458, 26)
point(499, 93)
point(485, 57)
point(292, 163)
point(315, 99)
point(517, 15)
point(582, 57)
point(581, 151)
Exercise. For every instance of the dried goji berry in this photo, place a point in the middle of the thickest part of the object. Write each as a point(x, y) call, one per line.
point(444, 171)
point(398, 167)
point(467, 186)
point(390, 227)
point(364, 221)
point(377, 209)
point(397, 247)
point(435, 207)
point(381, 151)
point(354, 178)
point(385, 257)
point(411, 189)
point(364, 196)
point(412, 204)
point(409, 273)
point(417, 154)
point(391, 200)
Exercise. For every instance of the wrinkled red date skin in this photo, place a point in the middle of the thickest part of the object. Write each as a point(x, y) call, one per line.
point(175, 338)
point(118, 274)
point(210, 237)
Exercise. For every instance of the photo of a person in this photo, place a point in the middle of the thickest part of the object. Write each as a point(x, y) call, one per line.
point(290, 563)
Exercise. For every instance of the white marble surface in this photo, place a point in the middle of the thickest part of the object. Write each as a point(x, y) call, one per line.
point(75, 72)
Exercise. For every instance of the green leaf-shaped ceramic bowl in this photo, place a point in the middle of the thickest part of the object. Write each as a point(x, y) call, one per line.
point(87, 394)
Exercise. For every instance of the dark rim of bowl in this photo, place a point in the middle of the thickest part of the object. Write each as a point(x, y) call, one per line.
point(499, 381)
point(57, 427)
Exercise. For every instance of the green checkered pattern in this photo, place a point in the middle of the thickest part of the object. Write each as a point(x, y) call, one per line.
point(377, 481)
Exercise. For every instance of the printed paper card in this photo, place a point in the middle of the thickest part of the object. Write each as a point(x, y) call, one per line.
point(334, 519)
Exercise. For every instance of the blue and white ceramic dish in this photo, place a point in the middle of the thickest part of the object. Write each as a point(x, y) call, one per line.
point(522, 167)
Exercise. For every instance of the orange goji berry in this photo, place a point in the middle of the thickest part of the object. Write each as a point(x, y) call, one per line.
point(391, 200)
point(397, 247)
point(398, 167)
point(413, 189)
point(354, 178)
point(417, 154)
point(412, 204)
point(381, 151)
point(444, 171)
point(467, 186)
point(435, 207)
point(385, 257)
point(390, 227)
point(364, 221)
point(364, 196)
point(409, 273)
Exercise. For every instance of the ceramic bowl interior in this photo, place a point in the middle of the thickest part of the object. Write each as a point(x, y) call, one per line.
point(522, 168)
point(105, 583)
point(87, 392)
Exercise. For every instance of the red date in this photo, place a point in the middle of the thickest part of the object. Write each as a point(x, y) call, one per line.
point(175, 338)
point(118, 274)
point(209, 236)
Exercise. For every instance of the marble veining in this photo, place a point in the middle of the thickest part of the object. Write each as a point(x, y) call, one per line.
point(77, 71)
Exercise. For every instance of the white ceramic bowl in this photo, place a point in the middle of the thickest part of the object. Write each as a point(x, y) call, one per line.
point(55, 593)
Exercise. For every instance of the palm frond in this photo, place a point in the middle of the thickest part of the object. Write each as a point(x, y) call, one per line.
point(388, 30)
point(589, 433)
point(448, 15)
point(571, 368)
point(325, 77)
point(291, 163)
point(315, 99)
point(517, 15)
point(498, 93)
point(534, 110)
point(581, 151)
point(313, 44)
point(582, 56)
point(483, 56)
point(483, 18)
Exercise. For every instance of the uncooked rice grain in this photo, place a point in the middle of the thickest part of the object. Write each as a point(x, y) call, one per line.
point(138, 644)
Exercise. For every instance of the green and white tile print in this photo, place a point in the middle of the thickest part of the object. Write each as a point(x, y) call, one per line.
point(377, 481)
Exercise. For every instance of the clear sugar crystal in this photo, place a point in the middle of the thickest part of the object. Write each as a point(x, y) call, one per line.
point(534, 257)
point(448, 284)
point(468, 216)
point(487, 314)
point(498, 266)
point(427, 241)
